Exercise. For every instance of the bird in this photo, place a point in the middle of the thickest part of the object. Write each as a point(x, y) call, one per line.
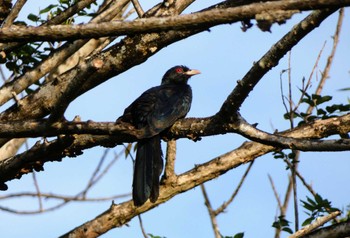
point(156, 110)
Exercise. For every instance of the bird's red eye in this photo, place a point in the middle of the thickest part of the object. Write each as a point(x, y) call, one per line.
point(179, 70)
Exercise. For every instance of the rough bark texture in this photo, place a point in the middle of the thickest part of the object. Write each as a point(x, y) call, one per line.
point(138, 41)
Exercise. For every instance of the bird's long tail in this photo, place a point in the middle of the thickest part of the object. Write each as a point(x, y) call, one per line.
point(148, 167)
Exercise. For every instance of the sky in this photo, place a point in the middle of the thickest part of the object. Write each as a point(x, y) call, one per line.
point(223, 55)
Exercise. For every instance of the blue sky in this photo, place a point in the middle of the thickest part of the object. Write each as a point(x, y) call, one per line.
point(223, 55)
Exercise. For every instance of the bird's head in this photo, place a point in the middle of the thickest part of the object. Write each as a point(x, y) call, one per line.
point(178, 75)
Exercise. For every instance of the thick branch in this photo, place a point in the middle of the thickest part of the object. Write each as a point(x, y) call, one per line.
point(279, 141)
point(204, 19)
point(117, 59)
point(334, 231)
point(187, 128)
point(14, 13)
point(56, 20)
point(56, 150)
point(55, 58)
point(319, 222)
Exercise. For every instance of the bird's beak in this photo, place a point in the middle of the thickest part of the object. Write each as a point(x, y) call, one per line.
point(192, 72)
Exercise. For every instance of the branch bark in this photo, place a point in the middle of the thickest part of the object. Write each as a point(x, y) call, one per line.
point(334, 231)
point(319, 222)
point(204, 19)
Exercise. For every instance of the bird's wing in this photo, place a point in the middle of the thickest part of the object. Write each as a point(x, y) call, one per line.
point(159, 107)
point(172, 104)
point(138, 111)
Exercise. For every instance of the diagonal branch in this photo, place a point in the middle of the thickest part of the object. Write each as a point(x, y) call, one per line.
point(319, 222)
point(55, 58)
point(116, 60)
point(270, 60)
point(341, 229)
point(181, 129)
point(14, 13)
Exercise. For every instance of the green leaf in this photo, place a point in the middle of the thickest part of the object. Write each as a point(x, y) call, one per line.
point(308, 101)
point(308, 206)
point(287, 229)
point(320, 99)
point(321, 112)
point(33, 17)
point(308, 221)
point(48, 8)
point(239, 235)
point(282, 224)
point(153, 236)
point(319, 199)
point(288, 115)
point(291, 155)
point(344, 108)
point(302, 114)
point(279, 155)
point(344, 89)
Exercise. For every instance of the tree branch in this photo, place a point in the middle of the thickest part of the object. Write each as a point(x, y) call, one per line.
point(14, 13)
point(36, 157)
point(211, 212)
point(319, 222)
point(55, 58)
point(334, 231)
point(280, 141)
point(270, 60)
point(204, 19)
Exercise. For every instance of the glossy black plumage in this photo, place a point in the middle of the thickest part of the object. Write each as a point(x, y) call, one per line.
point(154, 111)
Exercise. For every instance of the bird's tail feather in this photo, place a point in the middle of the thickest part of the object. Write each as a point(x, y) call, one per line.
point(148, 167)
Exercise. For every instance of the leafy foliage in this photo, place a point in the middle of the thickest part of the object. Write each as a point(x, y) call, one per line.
point(286, 156)
point(238, 235)
point(155, 236)
point(346, 216)
point(282, 224)
point(21, 59)
point(316, 207)
point(315, 100)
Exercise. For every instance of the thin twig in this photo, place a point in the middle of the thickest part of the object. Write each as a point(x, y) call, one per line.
point(81, 196)
point(325, 74)
point(275, 193)
point(290, 95)
point(144, 233)
point(138, 8)
point(211, 212)
point(308, 84)
point(234, 194)
point(287, 197)
point(38, 193)
point(284, 207)
point(36, 184)
point(53, 196)
point(295, 191)
point(94, 174)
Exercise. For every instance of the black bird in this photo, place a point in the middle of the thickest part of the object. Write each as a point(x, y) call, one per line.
point(154, 111)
